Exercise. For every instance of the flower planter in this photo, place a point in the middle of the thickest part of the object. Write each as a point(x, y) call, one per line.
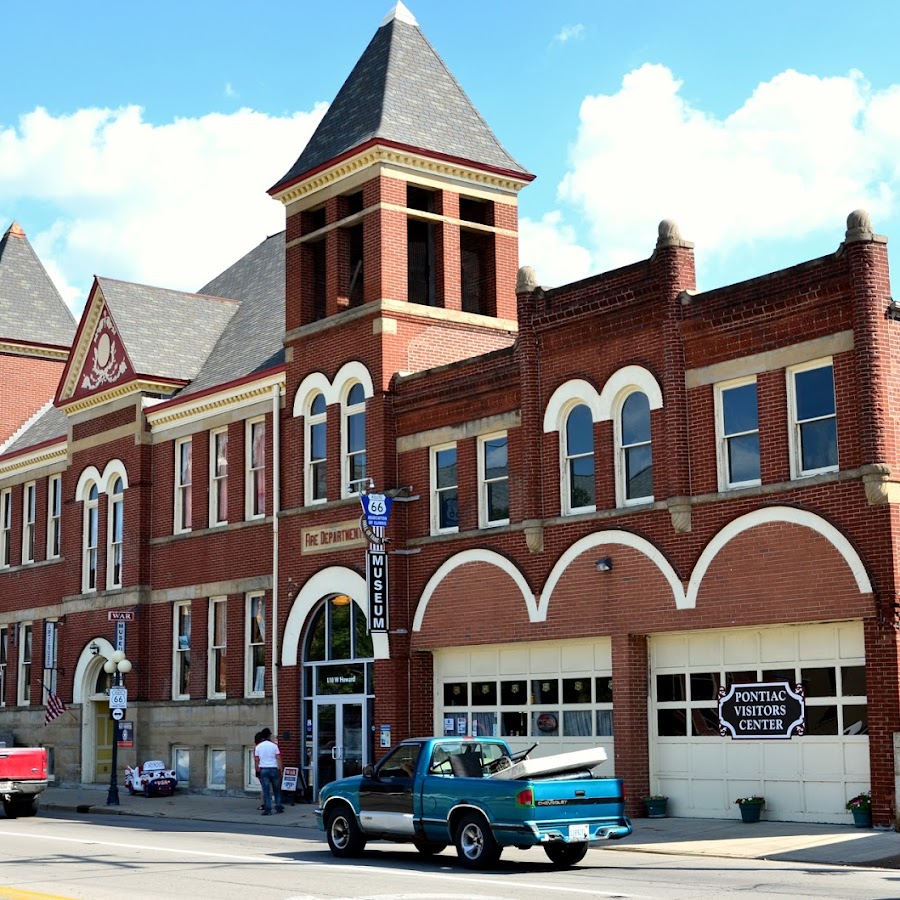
point(656, 809)
point(750, 811)
point(862, 818)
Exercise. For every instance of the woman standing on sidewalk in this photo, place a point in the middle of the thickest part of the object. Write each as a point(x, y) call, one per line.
point(268, 762)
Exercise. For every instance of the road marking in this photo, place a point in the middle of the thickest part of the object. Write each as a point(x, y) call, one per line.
point(359, 867)
point(10, 893)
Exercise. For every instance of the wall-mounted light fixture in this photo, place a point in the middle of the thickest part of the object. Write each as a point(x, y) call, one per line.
point(94, 648)
point(604, 564)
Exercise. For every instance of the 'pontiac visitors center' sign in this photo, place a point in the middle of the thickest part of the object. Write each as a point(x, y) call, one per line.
point(769, 709)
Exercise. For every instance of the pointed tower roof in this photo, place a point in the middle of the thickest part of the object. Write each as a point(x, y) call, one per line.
point(401, 93)
point(31, 309)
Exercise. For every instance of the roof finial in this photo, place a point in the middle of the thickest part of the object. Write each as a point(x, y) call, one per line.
point(15, 229)
point(401, 13)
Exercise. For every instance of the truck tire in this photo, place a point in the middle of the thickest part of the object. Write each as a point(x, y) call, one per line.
point(344, 835)
point(475, 842)
point(564, 855)
point(21, 808)
point(430, 848)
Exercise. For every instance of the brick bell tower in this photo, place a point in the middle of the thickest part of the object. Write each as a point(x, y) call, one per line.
point(401, 237)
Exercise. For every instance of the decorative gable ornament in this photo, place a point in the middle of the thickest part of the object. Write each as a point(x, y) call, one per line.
point(106, 363)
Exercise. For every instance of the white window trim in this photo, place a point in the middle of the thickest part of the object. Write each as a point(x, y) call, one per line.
point(797, 470)
point(348, 489)
point(249, 493)
point(483, 520)
point(23, 685)
point(176, 748)
point(251, 782)
point(310, 421)
point(90, 551)
point(29, 521)
point(621, 499)
point(250, 689)
point(176, 650)
point(211, 691)
point(210, 751)
point(215, 517)
point(111, 543)
point(182, 488)
point(4, 662)
point(566, 504)
point(720, 389)
point(435, 505)
point(5, 527)
point(54, 519)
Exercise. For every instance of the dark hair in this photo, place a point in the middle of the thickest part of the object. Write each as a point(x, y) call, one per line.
point(265, 734)
point(257, 737)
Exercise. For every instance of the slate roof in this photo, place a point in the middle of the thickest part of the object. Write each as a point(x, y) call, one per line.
point(252, 340)
point(31, 309)
point(167, 334)
point(47, 424)
point(401, 91)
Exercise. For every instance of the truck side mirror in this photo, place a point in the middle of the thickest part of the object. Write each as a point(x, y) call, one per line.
point(369, 771)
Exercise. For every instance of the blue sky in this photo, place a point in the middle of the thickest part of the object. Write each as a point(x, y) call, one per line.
point(137, 140)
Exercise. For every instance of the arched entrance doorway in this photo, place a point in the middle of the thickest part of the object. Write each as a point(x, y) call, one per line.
point(91, 690)
point(338, 691)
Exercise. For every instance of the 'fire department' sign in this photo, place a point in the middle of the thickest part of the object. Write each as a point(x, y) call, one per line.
point(767, 710)
point(377, 584)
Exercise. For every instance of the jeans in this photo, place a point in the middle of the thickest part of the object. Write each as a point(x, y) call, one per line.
point(270, 778)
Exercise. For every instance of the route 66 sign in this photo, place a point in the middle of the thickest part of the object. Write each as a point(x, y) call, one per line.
point(377, 508)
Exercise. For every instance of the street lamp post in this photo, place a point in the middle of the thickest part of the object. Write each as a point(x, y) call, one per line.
point(117, 666)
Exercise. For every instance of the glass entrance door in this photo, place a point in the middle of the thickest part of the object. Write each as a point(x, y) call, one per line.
point(340, 744)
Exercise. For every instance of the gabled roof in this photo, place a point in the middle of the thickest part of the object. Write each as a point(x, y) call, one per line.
point(31, 309)
point(48, 424)
point(253, 339)
point(401, 92)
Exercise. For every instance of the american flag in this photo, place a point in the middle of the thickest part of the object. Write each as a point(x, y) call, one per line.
point(55, 706)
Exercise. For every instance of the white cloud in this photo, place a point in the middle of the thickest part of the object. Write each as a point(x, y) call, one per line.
point(170, 205)
point(793, 160)
point(569, 33)
point(551, 248)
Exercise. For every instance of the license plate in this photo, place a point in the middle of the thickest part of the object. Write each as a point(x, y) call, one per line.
point(5, 786)
point(579, 832)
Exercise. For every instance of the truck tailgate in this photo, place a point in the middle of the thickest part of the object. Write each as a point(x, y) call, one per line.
point(23, 764)
point(590, 809)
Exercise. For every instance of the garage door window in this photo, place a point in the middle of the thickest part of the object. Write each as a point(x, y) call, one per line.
point(578, 706)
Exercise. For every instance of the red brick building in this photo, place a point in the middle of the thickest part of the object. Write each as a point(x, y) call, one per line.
point(611, 499)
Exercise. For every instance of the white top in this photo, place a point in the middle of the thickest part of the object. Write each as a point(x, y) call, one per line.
point(268, 754)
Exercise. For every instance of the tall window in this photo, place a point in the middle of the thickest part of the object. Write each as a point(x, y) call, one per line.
point(181, 652)
point(444, 490)
point(493, 480)
point(218, 637)
point(737, 422)
point(218, 477)
point(91, 529)
point(255, 667)
point(814, 419)
point(183, 478)
point(256, 469)
point(29, 511)
point(216, 768)
point(5, 527)
point(635, 450)
point(116, 528)
point(25, 635)
point(54, 516)
point(316, 449)
point(578, 456)
point(355, 440)
point(4, 657)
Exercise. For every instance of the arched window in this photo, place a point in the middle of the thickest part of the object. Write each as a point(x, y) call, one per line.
point(89, 540)
point(578, 461)
point(354, 440)
point(116, 528)
point(316, 450)
point(635, 467)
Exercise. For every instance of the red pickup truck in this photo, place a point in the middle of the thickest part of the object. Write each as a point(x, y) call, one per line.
point(23, 775)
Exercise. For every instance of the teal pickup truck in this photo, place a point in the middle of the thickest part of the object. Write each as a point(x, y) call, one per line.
point(432, 792)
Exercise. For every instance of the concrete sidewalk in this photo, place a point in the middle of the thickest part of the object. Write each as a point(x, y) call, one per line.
point(839, 845)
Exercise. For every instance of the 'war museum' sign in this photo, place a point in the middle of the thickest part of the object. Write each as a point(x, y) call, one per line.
point(768, 710)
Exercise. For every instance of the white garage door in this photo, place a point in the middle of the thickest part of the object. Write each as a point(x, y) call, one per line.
point(804, 779)
point(558, 694)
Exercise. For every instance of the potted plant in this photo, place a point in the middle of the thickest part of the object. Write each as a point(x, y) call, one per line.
point(861, 807)
point(750, 807)
point(656, 805)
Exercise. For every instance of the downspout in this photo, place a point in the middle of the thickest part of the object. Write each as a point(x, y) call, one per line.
point(276, 503)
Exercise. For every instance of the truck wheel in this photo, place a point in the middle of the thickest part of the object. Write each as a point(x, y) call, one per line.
point(429, 848)
point(344, 836)
point(563, 855)
point(10, 809)
point(475, 842)
point(19, 808)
